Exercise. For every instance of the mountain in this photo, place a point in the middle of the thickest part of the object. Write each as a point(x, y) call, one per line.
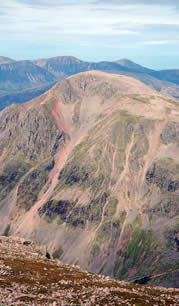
point(6, 60)
point(90, 169)
point(135, 67)
point(25, 75)
point(171, 90)
point(64, 66)
point(21, 75)
point(28, 277)
point(169, 75)
point(23, 96)
point(165, 87)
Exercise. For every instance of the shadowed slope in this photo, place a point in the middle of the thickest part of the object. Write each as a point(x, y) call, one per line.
point(21, 75)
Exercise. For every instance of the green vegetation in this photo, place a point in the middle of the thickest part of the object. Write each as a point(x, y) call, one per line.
point(139, 254)
point(111, 207)
point(49, 105)
point(60, 222)
point(137, 222)
point(11, 175)
point(47, 219)
point(29, 189)
point(110, 229)
point(139, 98)
point(104, 232)
point(95, 250)
point(150, 217)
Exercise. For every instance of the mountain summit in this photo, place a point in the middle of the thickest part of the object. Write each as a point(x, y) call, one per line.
point(90, 169)
point(131, 65)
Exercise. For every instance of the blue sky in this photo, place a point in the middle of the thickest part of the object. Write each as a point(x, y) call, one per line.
point(145, 31)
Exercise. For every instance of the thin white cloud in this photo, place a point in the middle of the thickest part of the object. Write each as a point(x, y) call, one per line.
point(24, 21)
point(126, 25)
point(160, 42)
point(27, 19)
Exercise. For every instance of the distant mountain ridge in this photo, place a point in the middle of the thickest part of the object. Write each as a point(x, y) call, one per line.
point(166, 81)
point(23, 96)
point(131, 65)
point(63, 66)
point(21, 75)
point(6, 60)
point(18, 76)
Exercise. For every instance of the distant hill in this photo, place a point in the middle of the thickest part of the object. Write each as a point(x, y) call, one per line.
point(169, 75)
point(6, 60)
point(64, 66)
point(135, 67)
point(21, 75)
point(23, 96)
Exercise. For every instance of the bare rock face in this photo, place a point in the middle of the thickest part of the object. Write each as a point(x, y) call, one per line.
point(90, 169)
point(28, 277)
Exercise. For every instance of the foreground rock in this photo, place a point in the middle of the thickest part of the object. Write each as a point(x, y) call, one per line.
point(27, 277)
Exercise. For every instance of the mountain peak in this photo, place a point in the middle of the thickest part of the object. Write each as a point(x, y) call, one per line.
point(125, 61)
point(132, 65)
